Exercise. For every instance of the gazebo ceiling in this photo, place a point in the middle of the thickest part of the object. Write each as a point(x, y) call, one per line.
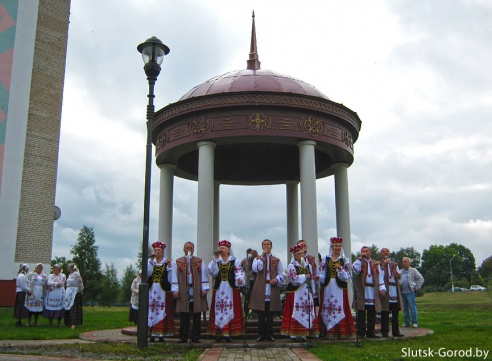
point(256, 118)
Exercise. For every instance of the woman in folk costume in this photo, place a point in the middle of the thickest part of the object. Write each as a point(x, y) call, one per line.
point(53, 301)
point(299, 318)
point(335, 313)
point(35, 301)
point(226, 313)
point(159, 273)
point(22, 289)
point(73, 297)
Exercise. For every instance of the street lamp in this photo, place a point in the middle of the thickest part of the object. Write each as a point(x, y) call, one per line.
point(153, 52)
point(451, 268)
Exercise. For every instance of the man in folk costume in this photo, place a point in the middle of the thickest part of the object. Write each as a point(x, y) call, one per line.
point(391, 301)
point(265, 295)
point(299, 317)
point(369, 283)
point(190, 287)
point(314, 266)
point(335, 312)
point(159, 273)
point(226, 314)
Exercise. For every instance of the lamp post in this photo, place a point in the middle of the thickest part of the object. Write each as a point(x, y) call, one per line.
point(153, 52)
point(451, 268)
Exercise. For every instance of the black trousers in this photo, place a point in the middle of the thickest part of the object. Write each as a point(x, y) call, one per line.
point(265, 322)
point(395, 328)
point(184, 328)
point(364, 329)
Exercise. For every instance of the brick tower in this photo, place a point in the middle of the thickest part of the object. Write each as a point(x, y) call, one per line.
point(33, 46)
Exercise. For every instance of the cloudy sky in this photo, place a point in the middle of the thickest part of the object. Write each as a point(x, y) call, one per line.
point(417, 73)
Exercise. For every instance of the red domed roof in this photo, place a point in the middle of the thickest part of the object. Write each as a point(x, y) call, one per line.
point(256, 80)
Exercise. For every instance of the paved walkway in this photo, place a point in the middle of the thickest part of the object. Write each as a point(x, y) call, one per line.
point(283, 349)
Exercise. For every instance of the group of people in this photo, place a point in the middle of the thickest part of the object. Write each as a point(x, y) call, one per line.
point(54, 296)
point(382, 286)
point(316, 298)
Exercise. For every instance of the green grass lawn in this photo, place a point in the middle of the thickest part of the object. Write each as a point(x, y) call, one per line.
point(461, 321)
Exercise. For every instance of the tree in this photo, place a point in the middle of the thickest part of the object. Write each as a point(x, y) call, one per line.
point(465, 262)
point(85, 258)
point(434, 267)
point(409, 252)
point(485, 270)
point(438, 261)
point(110, 286)
point(126, 283)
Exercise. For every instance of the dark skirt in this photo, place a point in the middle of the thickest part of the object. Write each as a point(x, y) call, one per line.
point(50, 314)
point(20, 310)
point(74, 315)
point(133, 315)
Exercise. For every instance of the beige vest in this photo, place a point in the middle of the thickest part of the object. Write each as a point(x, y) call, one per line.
point(257, 298)
point(359, 284)
point(386, 297)
point(199, 303)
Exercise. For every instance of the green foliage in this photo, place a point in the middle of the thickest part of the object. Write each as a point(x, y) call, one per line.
point(110, 286)
point(409, 252)
point(485, 270)
point(438, 261)
point(85, 257)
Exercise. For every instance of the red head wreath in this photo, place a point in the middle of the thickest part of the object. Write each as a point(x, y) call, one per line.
point(159, 245)
point(336, 240)
point(224, 243)
point(295, 249)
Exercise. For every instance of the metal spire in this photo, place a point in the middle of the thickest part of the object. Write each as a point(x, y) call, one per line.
point(253, 63)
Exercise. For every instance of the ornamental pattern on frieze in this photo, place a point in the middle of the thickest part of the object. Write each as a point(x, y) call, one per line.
point(347, 139)
point(259, 121)
point(199, 126)
point(313, 126)
point(273, 99)
point(162, 140)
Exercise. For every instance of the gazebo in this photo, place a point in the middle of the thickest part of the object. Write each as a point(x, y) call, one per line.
point(255, 127)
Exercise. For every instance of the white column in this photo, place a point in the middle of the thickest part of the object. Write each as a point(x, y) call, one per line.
point(342, 206)
point(292, 197)
point(309, 215)
point(205, 216)
point(343, 213)
point(216, 213)
point(165, 228)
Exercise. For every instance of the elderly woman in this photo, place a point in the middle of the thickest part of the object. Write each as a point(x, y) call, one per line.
point(299, 319)
point(226, 313)
point(53, 301)
point(35, 301)
point(73, 297)
point(22, 289)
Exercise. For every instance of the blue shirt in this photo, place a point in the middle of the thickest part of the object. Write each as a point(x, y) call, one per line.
point(405, 287)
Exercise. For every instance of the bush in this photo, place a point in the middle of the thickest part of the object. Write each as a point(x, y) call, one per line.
point(428, 289)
